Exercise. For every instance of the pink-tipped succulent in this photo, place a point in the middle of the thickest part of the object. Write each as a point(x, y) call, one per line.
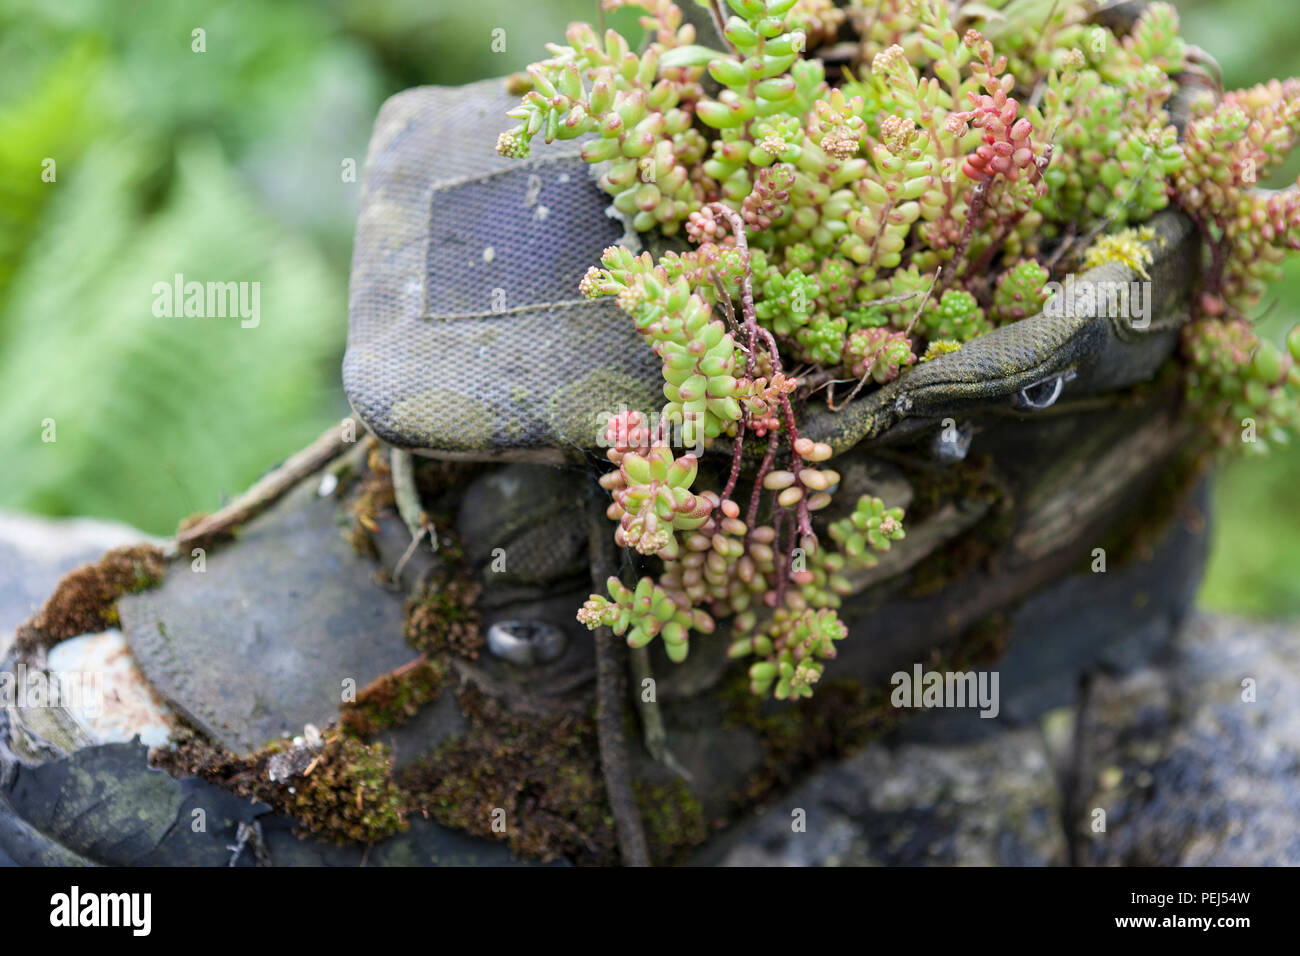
point(1006, 148)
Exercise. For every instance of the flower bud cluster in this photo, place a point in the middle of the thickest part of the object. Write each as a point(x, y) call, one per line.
point(871, 527)
point(644, 613)
point(798, 640)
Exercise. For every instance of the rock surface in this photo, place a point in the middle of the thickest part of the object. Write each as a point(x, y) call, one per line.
point(103, 689)
point(1187, 769)
point(1198, 763)
point(105, 804)
point(36, 552)
point(989, 803)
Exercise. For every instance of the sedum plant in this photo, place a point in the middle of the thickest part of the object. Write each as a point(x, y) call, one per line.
point(842, 216)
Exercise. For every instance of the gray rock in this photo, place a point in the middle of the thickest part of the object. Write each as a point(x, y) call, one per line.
point(993, 802)
point(97, 681)
point(1174, 757)
point(1187, 769)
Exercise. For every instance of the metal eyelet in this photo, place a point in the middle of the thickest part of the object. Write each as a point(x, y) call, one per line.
point(526, 643)
point(1042, 394)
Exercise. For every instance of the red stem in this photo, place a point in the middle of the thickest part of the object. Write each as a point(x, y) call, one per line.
point(751, 517)
point(973, 212)
point(737, 450)
point(755, 331)
point(737, 224)
point(796, 465)
point(783, 570)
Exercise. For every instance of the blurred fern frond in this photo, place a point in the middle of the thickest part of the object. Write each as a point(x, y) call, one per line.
point(40, 133)
point(137, 399)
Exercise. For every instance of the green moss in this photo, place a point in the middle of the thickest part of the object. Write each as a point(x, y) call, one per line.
point(443, 620)
point(542, 771)
point(345, 792)
point(673, 820)
point(350, 795)
point(84, 600)
point(1127, 247)
point(394, 698)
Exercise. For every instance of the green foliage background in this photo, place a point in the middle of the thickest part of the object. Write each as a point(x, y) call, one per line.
point(227, 165)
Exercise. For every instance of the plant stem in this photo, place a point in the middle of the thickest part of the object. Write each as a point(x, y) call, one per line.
point(610, 668)
point(737, 224)
point(270, 488)
point(737, 452)
point(751, 516)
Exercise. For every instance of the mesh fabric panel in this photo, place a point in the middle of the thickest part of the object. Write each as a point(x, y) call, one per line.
point(466, 331)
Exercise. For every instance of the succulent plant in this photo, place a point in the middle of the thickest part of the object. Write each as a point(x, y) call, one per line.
point(1019, 293)
point(878, 353)
point(871, 526)
point(1228, 149)
point(850, 220)
point(652, 499)
point(644, 613)
point(800, 641)
point(1245, 391)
